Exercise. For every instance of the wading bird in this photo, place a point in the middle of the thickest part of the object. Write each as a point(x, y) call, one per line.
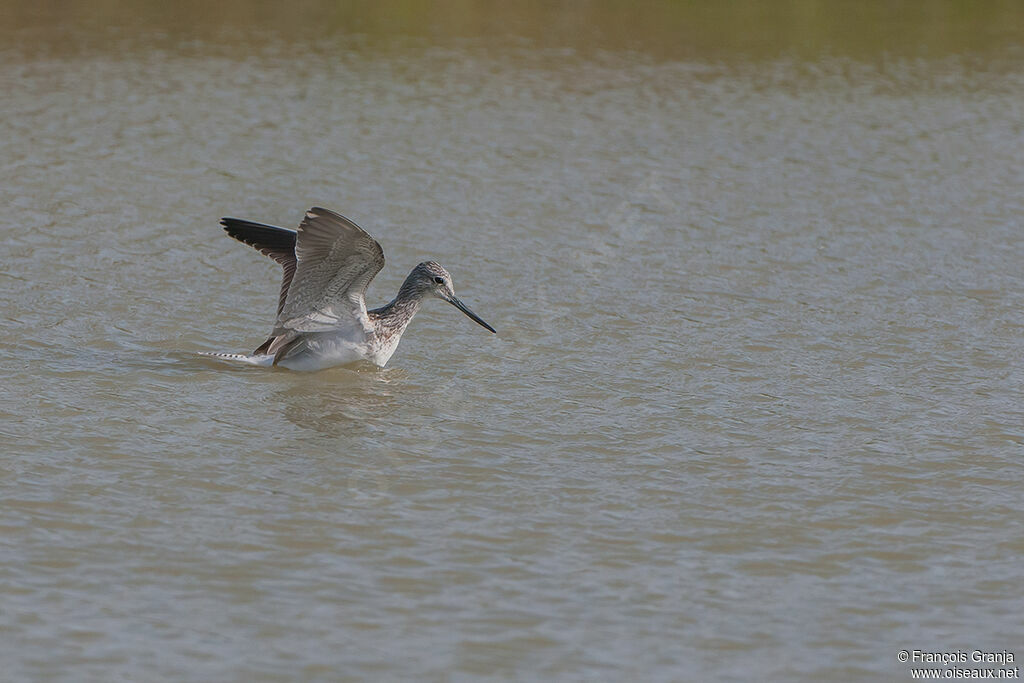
point(322, 319)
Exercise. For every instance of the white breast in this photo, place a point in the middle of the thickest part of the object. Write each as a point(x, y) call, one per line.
point(382, 352)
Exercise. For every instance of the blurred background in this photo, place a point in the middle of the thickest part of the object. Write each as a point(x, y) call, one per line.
point(737, 29)
point(754, 407)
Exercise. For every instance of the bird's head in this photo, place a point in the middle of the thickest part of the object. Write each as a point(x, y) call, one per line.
point(431, 278)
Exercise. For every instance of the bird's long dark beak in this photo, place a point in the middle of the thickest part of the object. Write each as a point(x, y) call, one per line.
point(454, 301)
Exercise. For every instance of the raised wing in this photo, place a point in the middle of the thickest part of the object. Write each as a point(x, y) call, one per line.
point(335, 261)
point(277, 243)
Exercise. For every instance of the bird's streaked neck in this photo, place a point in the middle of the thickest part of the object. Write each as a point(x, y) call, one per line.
point(396, 315)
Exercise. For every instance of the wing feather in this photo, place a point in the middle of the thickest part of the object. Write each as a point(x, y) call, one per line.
point(335, 261)
point(277, 243)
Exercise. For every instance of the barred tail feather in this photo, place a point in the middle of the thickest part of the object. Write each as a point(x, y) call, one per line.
point(261, 360)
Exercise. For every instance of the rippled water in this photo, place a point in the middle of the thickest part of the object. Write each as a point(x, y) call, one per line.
point(753, 410)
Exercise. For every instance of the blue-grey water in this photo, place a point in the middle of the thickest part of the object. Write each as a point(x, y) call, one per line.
point(754, 410)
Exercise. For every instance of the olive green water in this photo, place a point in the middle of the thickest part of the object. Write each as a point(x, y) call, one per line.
point(754, 410)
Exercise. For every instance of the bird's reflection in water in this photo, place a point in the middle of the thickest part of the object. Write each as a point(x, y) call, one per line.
point(345, 400)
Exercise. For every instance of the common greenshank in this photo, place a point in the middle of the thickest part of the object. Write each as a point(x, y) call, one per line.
point(322, 319)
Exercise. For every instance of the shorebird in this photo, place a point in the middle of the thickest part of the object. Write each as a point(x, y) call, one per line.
point(322, 319)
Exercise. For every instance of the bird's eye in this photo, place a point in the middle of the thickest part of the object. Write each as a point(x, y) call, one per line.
point(439, 280)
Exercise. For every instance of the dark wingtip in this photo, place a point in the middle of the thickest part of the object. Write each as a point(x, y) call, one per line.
point(266, 238)
point(228, 223)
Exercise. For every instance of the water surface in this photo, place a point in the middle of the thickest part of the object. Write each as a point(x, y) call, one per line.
point(753, 410)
